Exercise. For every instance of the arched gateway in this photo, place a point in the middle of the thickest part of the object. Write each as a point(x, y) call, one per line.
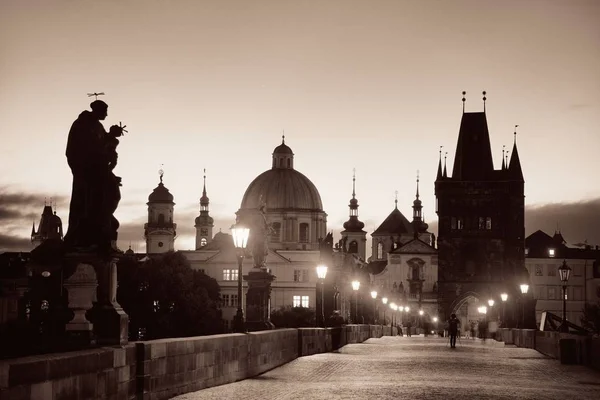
point(466, 309)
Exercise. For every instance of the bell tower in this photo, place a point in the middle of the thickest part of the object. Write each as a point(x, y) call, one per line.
point(159, 231)
point(353, 236)
point(204, 222)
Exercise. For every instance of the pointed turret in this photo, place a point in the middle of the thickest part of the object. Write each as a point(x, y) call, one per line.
point(439, 170)
point(503, 163)
point(204, 222)
point(445, 174)
point(514, 168)
point(473, 159)
point(353, 233)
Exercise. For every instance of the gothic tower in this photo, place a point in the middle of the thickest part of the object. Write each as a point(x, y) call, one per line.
point(159, 231)
point(204, 222)
point(353, 236)
point(50, 227)
point(480, 210)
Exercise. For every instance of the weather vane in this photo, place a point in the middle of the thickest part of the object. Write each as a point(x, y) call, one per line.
point(96, 95)
point(161, 172)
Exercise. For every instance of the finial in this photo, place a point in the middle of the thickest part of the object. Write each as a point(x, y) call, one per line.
point(45, 201)
point(441, 147)
point(161, 172)
point(283, 136)
point(353, 182)
point(515, 134)
point(507, 158)
point(503, 150)
point(396, 201)
point(484, 99)
point(417, 184)
point(95, 95)
point(204, 187)
point(464, 99)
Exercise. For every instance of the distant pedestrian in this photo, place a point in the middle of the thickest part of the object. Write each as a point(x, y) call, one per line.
point(453, 329)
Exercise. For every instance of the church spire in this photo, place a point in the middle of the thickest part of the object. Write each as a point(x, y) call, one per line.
point(353, 224)
point(439, 170)
point(514, 168)
point(503, 163)
point(204, 222)
point(417, 212)
point(445, 170)
point(204, 201)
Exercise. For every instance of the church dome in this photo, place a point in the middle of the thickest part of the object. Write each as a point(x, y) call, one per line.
point(160, 195)
point(282, 188)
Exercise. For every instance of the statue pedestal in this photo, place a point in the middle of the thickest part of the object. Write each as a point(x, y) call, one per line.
point(81, 288)
point(258, 300)
point(110, 322)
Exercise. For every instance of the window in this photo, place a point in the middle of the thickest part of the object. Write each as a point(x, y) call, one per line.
point(225, 300)
point(488, 223)
point(161, 219)
point(289, 162)
point(275, 231)
point(201, 270)
point(539, 270)
point(304, 232)
point(577, 293)
point(481, 223)
point(296, 301)
point(353, 247)
point(551, 269)
point(305, 301)
point(551, 292)
point(459, 223)
point(234, 300)
point(526, 251)
point(304, 275)
point(297, 273)
point(540, 292)
point(576, 270)
point(230, 274)
point(203, 232)
point(379, 251)
point(453, 223)
point(551, 252)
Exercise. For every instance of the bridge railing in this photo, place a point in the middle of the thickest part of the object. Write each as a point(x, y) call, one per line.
point(164, 368)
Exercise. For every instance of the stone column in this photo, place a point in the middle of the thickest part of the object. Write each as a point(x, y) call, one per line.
point(257, 299)
point(81, 287)
point(111, 323)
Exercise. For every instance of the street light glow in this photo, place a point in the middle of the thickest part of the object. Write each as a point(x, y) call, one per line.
point(355, 285)
point(491, 302)
point(504, 296)
point(435, 319)
point(240, 236)
point(420, 312)
point(322, 271)
point(384, 300)
point(374, 294)
point(524, 288)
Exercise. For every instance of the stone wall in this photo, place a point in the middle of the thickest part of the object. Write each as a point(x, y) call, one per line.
point(161, 369)
point(103, 373)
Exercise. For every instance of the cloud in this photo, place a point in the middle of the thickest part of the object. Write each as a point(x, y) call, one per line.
point(17, 206)
point(14, 243)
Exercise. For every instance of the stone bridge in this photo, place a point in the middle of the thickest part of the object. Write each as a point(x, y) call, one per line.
point(351, 362)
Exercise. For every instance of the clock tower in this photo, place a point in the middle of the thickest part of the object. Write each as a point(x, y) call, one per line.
point(204, 222)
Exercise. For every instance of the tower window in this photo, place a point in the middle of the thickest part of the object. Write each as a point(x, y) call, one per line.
point(379, 251)
point(160, 244)
point(161, 219)
point(289, 162)
point(304, 232)
point(551, 252)
point(481, 223)
point(353, 247)
point(281, 162)
point(276, 231)
point(453, 223)
point(460, 223)
point(488, 223)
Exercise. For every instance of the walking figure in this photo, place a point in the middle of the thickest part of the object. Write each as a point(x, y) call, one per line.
point(453, 329)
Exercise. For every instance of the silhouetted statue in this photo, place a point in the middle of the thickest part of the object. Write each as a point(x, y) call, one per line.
point(92, 156)
point(260, 230)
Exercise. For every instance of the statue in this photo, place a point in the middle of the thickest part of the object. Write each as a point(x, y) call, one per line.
point(92, 156)
point(260, 231)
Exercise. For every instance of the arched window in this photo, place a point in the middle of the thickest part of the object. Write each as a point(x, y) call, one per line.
point(353, 247)
point(281, 162)
point(379, 251)
point(488, 223)
point(289, 162)
point(276, 231)
point(303, 232)
point(161, 219)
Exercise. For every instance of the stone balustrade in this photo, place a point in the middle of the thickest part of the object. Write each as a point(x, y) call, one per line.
point(161, 369)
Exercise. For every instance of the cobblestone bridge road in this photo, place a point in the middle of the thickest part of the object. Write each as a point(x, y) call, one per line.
point(416, 368)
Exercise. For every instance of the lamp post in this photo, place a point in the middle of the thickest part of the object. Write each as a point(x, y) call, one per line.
point(524, 289)
point(321, 274)
point(504, 297)
point(384, 301)
point(240, 240)
point(483, 310)
point(393, 306)
point(374, 296)
point(565, 272)
point(355, 287)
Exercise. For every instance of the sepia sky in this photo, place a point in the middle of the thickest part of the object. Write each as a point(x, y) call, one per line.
point(373, 85)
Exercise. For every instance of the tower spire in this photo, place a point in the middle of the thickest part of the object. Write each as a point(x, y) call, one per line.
point(417, 184)
point(445, 170)
point(463, 100)
point(439, 171)
point(396, 200)
point(204, 186)
point(484, 99)
point(503, 163)
point(515, 163)
point(353, 183)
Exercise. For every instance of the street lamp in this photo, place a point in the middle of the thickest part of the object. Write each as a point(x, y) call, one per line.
point(355, 287)
point(321, 274)
point(384, 300)
point(491, 303)
point(565, 272)
point(504, 297)
point(524, 290)
point(240, 240)
point(374, 296)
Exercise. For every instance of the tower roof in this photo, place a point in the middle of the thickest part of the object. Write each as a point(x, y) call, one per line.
point(473, 159)
point(353, 224)
point(514, 167)
point(160, 194)
point(395, 223)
